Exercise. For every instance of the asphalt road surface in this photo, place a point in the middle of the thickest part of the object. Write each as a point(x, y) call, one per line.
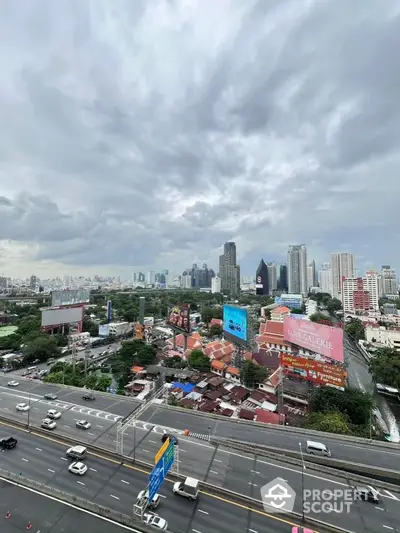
point(46, 515)
point(110, 484)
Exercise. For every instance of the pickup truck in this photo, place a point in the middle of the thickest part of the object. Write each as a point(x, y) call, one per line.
point(8, 443)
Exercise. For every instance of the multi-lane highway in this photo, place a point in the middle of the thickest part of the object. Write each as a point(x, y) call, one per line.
point(46, 515)
point(111, 484)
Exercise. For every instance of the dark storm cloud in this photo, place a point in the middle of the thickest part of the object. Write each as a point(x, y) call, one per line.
point(138, 131)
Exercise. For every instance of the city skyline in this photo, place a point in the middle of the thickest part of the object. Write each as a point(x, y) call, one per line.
point(108, 166)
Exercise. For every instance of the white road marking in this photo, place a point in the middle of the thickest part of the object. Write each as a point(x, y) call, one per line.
point(146, 451)
point(180, 449)
point(217, 461)
point(196, 531)
point(6, 408)
point(255, 472)
point(154, 442)
point(52, 471)
point(80, 482)
point(126, 482)
point(250, 483)
point(101, 427)
point(379, 508)
point(36, 408)
point(253, 530)
point(213, 472)
point(162, 496)
point(26, 460)
point(93, 469)
point(65, 425)
point(115, 497)
point(388, 527)
point(90, 433)
point(39, 450)
point(391, 495)
point(201, 511)
point(64, 458)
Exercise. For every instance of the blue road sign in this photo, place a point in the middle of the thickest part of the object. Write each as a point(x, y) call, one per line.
point(159, 472)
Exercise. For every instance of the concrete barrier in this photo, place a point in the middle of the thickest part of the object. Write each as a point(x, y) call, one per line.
point(286, 429)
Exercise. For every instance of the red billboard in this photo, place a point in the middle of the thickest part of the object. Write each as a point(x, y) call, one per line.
point(315, 371)
point(179, 318)
point(317, 338)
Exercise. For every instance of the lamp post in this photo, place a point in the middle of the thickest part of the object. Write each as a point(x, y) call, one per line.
point(303, 467)
point(29, 410)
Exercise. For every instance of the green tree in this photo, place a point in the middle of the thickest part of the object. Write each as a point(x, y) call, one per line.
point(215, 330)
point(331, 422)
point(172, 400)
point(175, 362)
point(385, 367)
point(207, 314)
point(103, 382)
point(42, 348)
point(318, 317)
point(54, 377)
point(199, 361)
point(355, 329)
point(297, 311)
point(28, 324)
point(354, 403)
point(251, 374)
point(334, 305)
point(90, 326)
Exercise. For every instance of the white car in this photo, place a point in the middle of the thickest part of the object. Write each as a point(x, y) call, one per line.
point(155, 521)
point(144, 495)
point(78, 468)
point(13, 383)
point(83, 424)
point(47, 423)
point(53, 414)
point(23, 407)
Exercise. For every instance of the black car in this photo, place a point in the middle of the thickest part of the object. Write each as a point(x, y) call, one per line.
point(88, 396)
point(8, 443)
point(50, 396)
point(171, 438)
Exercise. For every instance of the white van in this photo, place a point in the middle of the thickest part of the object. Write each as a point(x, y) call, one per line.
point(188, 489)
point(317, 448)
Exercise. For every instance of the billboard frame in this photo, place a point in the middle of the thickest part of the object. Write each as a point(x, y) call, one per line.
point(324, 373)
point(57, 324)
point(67, 297)
point(229, 322)
point(179, 314)
point(165, 456)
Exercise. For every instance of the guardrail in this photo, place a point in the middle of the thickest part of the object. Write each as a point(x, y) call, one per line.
point(80, 503)
point(284, 429)
point(206, 488)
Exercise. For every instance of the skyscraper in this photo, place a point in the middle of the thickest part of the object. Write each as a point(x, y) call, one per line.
point(272, 277)
point(390, 285)
point(311, 275)
point(343, 266)
point(229, 271)
point(283, 283)
point(297, 269)
point(325, 278)
point(262, 279)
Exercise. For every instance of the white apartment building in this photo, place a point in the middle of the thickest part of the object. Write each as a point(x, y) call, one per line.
point(186, 281)
point(361, 294)
point(343, 266)
point(325, 278)
point(311, 307)
point(381, 335)
point(311, 276)
point(297, 269)
point(151, 277)
point(215, 285)
point(272, 278)
point(371, 284)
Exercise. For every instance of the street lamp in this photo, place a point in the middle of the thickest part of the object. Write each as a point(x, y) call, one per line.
point(29, 410)
point(303, 467)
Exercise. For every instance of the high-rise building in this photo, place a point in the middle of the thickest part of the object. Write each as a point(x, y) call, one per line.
point(216, 285)
point(297, 269)
point(311, 275)
point(229, 271)
point(283, 282)
point(186, 280)
point(343, 266)
point(151, 277)
point(201, 277)
point(325, 278)
point(390, 285)
point(361, 294)
point(272, 278)
point(33, 282)
point(262, 279)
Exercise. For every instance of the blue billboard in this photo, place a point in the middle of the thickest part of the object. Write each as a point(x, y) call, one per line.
point(235, 324)
point(160, 471)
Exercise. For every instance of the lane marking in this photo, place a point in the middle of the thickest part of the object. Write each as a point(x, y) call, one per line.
point(145, 451)
point(39, 450)
point(253, 484)
point(217, 461)
point(93, 469)
point(388, 527)
point(154, 442)
point(201, 511)
point(52, 471)
point(391, 495)
point(213, 472)
point(255, 472)
point(23, 459)
point(115, 497)
point(90, 433)
point(253, 530)
point(80, 482)
point(162, 496)
point(64, 458)
point(126, 482)
point(101, 427)
point(66, 426)
point(196, 531)
point(379, 508)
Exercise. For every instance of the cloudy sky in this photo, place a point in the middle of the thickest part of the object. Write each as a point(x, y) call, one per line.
point(138, 134)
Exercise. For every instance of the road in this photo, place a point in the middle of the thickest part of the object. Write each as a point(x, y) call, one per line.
point(46, 515)
point(110, 484)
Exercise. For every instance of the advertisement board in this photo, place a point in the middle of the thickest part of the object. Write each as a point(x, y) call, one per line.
point(235, 324)
point(315, 371)
point(70, 297)
point(58, 317)
point(139, 331)
point(104, 330)
point(179, 318)
point(315, 337)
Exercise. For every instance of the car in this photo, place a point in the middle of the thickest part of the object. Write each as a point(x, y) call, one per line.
point(83, 424)
point(23, 407)
point(144, 495)
point(78, 468)
point(171, 438)
point(302, 530)
point(76, 452)
point(50, 396)
point(47, 423)
point(367, 493)
point(8, 443)
point(155, 521)
point(88, 396)
point(13, 383)
point(53, 414)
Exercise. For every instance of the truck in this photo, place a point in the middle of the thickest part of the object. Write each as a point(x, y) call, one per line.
point(188, 489)
point(8, 443)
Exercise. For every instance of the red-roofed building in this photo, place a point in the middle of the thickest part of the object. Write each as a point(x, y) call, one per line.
point(194, 342)
point(232, 374)
point(218, 367)
point(216, 322)
point(219, 350)
point(267, 342)
point(267, 417)
point(279, 313)
point(272, 328)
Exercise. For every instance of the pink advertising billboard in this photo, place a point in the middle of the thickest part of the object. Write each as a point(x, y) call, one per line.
point(325, 340)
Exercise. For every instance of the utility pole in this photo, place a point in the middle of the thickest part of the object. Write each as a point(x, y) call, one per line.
point(302, 482)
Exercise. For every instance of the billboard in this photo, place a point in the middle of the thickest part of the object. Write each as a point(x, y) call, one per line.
point(315, 337)
point(179, 318)
point(104, 330)
point(70, 297)
point(139, 331)
point(235, 324)
point(109, 310)
point(315, 371)
point(58, 317)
